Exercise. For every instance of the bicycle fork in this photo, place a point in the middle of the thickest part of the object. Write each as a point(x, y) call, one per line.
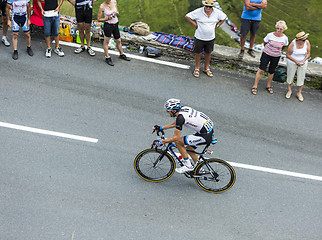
point(158, 160)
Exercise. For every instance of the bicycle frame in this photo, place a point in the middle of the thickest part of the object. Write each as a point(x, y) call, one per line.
point(169, 148)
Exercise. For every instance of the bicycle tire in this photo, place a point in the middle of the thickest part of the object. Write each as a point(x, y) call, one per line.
point(224, 181)
point(144, 161)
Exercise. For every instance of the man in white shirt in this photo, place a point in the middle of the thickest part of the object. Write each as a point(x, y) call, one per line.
point(206, 20)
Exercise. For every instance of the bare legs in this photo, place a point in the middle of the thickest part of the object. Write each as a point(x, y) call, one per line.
point(118, 46)
point(87, 28)
point(258, 77)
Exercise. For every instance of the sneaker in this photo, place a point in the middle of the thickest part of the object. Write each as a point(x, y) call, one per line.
point(241, 54)
point(15, 55)
point(79, 50)
point(59, 52)
point(29, 51)
point(48, 52)
point(288, 94)
point(184, 169)
point(300, 97)
point(124, 57)
point(109, 61)
point(5, 41)
point(90, 51)
point(251, 53)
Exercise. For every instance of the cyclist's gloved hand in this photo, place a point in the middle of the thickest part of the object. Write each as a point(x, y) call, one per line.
point(157, 143)
point(157, 128)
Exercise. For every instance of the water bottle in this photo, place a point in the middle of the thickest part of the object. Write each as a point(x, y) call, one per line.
point(141, 49)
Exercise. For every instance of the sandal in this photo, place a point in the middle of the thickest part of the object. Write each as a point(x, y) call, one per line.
point(254, 91)
point(270, 90)
point(208, 72)
point(196, 73)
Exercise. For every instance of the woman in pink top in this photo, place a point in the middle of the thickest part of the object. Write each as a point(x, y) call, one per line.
point(274, 43)
point(297, 54)
point(111, 26)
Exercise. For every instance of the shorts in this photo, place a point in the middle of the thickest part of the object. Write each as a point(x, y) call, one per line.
point(200, 45)
point(83, 14)
point(51, 25)
point(112, 28)
point(198, 139)
point(20, 21)
point(3, 5)
point(272, 61)
point(249, 25)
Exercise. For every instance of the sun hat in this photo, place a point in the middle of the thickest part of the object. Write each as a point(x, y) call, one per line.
point(209, 3)
point(302, 36)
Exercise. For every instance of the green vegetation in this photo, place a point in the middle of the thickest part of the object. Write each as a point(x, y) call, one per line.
point(168, 16)
point(299, 16)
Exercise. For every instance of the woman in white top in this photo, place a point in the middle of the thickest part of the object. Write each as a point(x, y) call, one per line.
point(297, 54)
point(111, 26)
point(274, 43)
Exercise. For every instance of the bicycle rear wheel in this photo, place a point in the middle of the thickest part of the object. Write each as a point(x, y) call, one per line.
point(215, 176)
point(153, 165)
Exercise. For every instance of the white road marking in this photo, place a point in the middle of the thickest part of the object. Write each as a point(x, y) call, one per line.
point(46, 132)
point(94, 140)
point(276, 171)
point(153, 60)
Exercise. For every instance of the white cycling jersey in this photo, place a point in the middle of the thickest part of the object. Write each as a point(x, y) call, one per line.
point(195, 120)
point(19, 7)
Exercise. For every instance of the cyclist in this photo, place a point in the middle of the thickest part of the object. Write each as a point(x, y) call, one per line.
point(189, 117)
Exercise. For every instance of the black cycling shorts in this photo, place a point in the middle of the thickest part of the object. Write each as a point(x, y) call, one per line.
point(83, 14)
point(110, 29)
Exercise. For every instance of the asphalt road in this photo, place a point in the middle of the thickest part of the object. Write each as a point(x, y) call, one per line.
point(58, 188)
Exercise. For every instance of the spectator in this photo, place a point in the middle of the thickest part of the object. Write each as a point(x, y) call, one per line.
point(83, 12)
point(250, 20)
point(3, 6)
point(205, 20)
point(21, 12)
point(111, 26)
point(297, 54)
point(51, 20)
point(274, 43)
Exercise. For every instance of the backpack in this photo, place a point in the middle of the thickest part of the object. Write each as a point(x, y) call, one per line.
point(140, 28)
point(280, 75)
point(152, 52)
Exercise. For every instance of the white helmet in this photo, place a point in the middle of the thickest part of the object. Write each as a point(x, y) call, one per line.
point(172, 104)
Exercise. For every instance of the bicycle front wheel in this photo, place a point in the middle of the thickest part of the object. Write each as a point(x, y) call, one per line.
point(154, 165)
point(215, 175)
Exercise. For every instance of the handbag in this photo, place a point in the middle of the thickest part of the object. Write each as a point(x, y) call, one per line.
point(152, 52)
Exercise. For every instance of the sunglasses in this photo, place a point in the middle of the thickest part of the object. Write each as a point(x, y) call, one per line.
point(208, 6)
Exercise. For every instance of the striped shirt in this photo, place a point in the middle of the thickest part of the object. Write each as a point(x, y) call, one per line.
point(274, 44)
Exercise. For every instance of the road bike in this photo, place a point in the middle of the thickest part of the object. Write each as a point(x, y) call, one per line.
point(158, 164)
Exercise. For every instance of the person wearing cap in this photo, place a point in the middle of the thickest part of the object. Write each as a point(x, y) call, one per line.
point(205, 20)
point(297, 55)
